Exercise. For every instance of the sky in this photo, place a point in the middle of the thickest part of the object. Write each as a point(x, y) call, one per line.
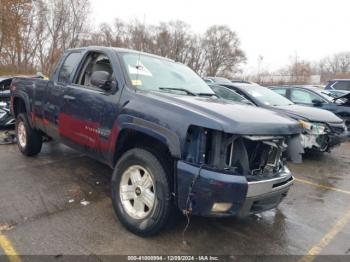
point(277, 30)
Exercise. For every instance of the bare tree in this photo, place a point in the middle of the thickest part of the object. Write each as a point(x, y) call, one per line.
point(65, 22)
point(299, 70)
point(222, 51)
point(14, 21)
point(34, 34)
point(173, 39)
point(337, 65)
point(195, 58)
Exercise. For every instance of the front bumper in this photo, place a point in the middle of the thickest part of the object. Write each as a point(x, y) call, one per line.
point(212, 188)
point(337, 139)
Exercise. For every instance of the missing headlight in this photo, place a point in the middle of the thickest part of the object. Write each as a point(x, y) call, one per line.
point(244, 155)
point(264, 154)
point(196, 145)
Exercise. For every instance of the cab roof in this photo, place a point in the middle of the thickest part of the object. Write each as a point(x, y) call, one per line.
point(120, 50)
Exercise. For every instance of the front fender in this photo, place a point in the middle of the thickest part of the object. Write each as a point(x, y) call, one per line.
point(164, 135)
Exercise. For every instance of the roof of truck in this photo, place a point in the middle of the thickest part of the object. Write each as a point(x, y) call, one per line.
point(120, 50)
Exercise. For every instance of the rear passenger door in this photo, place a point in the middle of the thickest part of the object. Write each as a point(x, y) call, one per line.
point(56, 89)
point(84, 106)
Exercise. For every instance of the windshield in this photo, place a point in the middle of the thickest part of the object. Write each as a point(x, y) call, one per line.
point(267, 96)
point(157, 74)
point(228, 94)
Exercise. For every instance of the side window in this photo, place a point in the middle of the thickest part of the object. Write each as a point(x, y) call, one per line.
point(93, 62)
point(305, 97)
point(280, 91)
point(68, 67)
point(342, 85)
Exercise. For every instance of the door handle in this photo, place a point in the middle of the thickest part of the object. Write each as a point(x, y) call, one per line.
point(70, 98)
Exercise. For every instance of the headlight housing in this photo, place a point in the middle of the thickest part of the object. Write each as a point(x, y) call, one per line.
point(315, 135)
point(313, 127)
point(237, 154)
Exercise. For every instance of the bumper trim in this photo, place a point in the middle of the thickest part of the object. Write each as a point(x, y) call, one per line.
point(258, 204)
point(257, 188)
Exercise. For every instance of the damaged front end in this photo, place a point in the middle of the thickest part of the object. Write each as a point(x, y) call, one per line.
point(322, 137)
point(6, 119)
point(224, 174)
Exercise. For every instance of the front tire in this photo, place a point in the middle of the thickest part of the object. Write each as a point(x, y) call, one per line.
point(141, 192)
point(29, 140)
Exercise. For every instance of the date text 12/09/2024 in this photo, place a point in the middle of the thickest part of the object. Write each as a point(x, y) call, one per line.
point(173, 258)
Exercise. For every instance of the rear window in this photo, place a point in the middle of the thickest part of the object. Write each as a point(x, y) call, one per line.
point(342, 85)
point(68, 67)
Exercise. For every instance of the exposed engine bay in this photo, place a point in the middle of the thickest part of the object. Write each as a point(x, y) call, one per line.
point(256, 157)
point(7, 122)
point(6, 119)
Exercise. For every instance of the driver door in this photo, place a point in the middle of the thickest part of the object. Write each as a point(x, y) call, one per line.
point(84, 106)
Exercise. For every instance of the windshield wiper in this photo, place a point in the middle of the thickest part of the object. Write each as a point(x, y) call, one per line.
point(207, 94)
point(178, 89)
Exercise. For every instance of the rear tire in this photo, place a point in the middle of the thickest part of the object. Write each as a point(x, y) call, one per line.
point(141, 192)
point(29, 140)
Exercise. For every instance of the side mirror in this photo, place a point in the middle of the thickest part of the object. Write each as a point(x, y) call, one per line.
point(101, 79)
point(317, 102)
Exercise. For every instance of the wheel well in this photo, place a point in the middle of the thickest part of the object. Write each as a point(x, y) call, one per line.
point(18, 106)
point(129, 139)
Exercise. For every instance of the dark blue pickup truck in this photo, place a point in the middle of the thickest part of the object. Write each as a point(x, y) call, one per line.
point(171, 141)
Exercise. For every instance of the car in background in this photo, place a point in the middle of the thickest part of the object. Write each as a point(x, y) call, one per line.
point(338, 84)
point(218, 80)
point(313, 96)
point(228, 94)
point(5, 83)
point(322, 130)
point(6, 119)
point(336, 93)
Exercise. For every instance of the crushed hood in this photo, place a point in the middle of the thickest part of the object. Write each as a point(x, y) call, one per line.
point(312, 114)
